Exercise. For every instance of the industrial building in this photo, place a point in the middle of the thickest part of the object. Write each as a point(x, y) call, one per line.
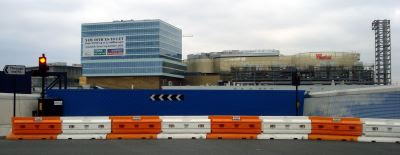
point(73, 73)
point(266, 67)
point(143, 54)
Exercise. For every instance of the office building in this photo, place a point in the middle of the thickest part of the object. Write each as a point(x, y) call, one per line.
point(140, 54)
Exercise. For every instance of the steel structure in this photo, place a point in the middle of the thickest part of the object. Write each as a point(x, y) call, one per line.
point(325, 75)
point(382, 51)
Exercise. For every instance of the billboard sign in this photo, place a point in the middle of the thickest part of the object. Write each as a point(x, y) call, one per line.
point(323, 57)
point(103, 46)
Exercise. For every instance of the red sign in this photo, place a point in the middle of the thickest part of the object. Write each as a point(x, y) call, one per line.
point(323, 57)
point(118, 51)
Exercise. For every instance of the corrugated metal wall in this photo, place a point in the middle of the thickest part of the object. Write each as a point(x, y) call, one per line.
point(196, 102)
point(365, 102)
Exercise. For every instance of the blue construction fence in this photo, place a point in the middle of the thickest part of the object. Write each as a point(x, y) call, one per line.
point(106, 102)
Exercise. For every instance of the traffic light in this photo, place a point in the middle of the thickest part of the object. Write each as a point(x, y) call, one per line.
point(43, 68)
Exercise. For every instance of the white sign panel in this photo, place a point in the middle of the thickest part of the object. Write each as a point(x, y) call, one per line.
point(14, 69)
point(103, 46)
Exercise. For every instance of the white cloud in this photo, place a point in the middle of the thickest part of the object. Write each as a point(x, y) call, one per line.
point(30, 27)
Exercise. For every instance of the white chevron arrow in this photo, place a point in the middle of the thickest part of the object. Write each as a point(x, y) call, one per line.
point(152, 97)
point(169, 97)
point(161, 99)
point(177, 97)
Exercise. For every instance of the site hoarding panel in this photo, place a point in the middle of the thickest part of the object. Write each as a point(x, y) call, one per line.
point(107, 102)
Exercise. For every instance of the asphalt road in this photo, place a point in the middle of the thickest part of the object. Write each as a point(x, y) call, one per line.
point(192, 147)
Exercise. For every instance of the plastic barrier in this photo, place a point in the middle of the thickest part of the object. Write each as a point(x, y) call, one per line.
point(332, 137)
point(286, 124)
point(36, 125)
point(135, 124)
point(282, 136)
point(134, 127)
point(81, 136)
point(131, 136)
point(335, 126)
point(206, 127)
point(185, 124)
point(381, 127)
point(231, 136)
point(86, 125)
point(379, 139)
point(12, 136)
point(181, 136)
point(235, 124)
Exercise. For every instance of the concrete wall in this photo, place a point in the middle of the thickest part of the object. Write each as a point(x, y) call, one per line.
point(25, 104)
point(125, 82)
point(199, 80)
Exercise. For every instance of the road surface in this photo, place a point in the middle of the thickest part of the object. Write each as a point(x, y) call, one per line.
point(193, 147)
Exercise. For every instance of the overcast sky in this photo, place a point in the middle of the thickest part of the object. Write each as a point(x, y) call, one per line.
point(31, 27)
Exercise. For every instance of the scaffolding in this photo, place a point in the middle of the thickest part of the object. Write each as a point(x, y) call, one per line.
point(323, 75)
point(382, 52)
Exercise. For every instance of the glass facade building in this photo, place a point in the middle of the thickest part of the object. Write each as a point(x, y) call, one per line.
point(132, 48)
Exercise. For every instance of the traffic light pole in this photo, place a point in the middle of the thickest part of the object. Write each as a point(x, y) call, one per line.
point(297, 100)
point(42, 94)
point(43, 72)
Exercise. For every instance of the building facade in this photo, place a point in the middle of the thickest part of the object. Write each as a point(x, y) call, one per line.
point(122, 54)
point(270, 67)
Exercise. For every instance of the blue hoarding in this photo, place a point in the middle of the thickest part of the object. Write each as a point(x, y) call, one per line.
point(193, 102)
point(23, 83)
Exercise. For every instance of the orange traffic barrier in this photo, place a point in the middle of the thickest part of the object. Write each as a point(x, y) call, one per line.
point(135, 124)
point(12, 136)
point(332, 137)
point(36, 125)
point(336, 126)
point(131, 136)
point(235, 124)
point(231, 136)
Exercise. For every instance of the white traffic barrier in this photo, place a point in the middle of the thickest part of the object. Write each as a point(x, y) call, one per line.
point(181, 136)
point(86, 125)
point(81, 136)
point(185, 124)
point(282, 136)
point(285, 124)
point(379, 139)
point(381, 127)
